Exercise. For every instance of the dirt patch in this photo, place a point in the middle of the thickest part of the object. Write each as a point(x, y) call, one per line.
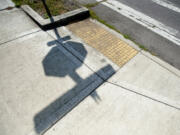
point(56, 7)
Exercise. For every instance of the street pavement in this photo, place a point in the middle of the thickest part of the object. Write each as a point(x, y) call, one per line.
point(58, 82)
point(165, 11)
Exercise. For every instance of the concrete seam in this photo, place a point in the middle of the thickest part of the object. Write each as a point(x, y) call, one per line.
point(156, 100)
point(20, 37)
point(43, 132)
point(81, 60)
point(159, 64)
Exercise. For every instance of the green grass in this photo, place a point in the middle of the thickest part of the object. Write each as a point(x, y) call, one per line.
point(127, 36)
point(143, 47)
point(140, 46)
point(56, 7)
point(94, 16)
point(90, 5)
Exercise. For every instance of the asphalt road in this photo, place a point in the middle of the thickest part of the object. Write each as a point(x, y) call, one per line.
point(164, 11)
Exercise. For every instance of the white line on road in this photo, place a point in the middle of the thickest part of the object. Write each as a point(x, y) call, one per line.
point(167, 4)
point(148, 22)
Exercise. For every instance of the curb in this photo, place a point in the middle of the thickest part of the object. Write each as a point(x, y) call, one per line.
point(64, 19)
point(160, 46)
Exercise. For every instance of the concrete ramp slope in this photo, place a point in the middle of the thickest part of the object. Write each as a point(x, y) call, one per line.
point(142, 97)
point(151, 77)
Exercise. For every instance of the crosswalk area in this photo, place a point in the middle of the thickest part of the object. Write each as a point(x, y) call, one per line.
point(168, 5)
point(146, 14)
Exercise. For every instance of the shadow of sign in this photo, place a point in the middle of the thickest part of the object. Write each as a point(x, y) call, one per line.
point(61, 63)
point(58, 63)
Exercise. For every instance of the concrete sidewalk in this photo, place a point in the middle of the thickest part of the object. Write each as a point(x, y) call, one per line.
point(142, 97)
point(44, 75)
point(119, 112)
point(140, 69)
point(15, 24)
point(41, 80)
point(6, 4)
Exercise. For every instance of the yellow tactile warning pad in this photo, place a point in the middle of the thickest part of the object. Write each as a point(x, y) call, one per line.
point(105, 42)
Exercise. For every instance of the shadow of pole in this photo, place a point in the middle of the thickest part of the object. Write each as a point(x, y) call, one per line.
point(58, 63)
point(51, 18)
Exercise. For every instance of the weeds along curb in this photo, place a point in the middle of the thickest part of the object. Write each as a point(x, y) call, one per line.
point(63, 19)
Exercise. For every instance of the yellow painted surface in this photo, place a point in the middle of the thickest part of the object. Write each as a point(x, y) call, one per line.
point(105, 42)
